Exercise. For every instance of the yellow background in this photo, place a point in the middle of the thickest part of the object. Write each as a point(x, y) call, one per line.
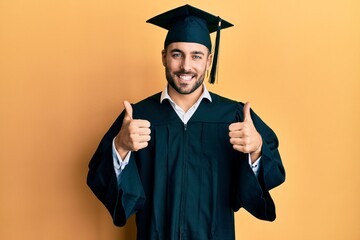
point(66, 66)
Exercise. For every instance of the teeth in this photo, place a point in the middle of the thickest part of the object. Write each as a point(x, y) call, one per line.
point(186, 77)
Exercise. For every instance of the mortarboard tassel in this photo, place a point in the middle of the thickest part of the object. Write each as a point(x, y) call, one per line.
point(216, 53)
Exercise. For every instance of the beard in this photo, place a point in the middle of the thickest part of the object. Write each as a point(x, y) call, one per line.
point(180, 89)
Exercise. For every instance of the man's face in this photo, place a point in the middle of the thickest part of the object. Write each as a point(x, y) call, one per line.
point(185, 65)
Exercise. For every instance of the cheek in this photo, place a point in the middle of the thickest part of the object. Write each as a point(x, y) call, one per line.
point(201, 67)
point(172, 65)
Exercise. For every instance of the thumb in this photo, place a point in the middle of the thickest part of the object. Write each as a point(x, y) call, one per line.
point(246, 109)
point(128, 110)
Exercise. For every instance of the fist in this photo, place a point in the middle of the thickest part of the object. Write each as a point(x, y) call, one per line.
point(134, 133)
point(244, 137)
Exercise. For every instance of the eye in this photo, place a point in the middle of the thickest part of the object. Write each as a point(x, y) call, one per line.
point(197, 57)
point(176, 55)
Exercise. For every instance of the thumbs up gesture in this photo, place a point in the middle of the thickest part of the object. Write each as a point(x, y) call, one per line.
point(244, 136)
point(134, 133)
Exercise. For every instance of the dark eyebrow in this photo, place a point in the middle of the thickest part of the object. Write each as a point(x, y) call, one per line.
point(176, 50)
point(198, 52)
point(193, 52)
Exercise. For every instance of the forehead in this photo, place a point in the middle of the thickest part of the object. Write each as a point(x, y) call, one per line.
point(187, 47)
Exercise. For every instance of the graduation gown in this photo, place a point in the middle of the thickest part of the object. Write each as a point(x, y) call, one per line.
point(189, 181)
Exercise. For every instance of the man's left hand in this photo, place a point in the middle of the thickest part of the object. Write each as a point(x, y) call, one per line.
point(244, 137)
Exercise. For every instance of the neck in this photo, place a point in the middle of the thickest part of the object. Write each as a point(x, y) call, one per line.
point(185, 101)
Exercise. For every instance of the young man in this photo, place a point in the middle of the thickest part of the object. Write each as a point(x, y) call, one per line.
point(184, 160)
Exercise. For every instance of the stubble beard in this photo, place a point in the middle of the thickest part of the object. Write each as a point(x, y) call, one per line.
point(180, 89)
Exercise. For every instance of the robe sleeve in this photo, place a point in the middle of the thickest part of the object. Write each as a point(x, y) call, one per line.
point(121, 200)
point(251, 192)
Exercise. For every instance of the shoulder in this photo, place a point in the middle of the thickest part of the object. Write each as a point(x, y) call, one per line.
point(148, 104)
point(149, 100)
point(151, 109)
point(221, 101)
point(219, 110)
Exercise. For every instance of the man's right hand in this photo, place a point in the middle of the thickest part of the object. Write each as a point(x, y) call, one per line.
point(134, 133)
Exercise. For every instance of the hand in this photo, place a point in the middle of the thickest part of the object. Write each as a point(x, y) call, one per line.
point(134, 133)
point(244, 136)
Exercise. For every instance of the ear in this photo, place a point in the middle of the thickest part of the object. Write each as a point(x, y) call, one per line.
point(209, 60)
point(163, 56)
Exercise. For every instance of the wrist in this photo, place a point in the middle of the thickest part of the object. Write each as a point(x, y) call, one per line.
point(257, 153)
point(121, 151)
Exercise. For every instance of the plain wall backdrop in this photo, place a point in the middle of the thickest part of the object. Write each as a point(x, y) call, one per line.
point(66, 67)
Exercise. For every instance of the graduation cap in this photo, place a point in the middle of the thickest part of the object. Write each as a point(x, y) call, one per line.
point(190, 24)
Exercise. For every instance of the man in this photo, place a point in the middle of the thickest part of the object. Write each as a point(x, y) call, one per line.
point(185, 159)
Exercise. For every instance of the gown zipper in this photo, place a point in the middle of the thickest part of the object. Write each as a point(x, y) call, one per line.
point(182, 214)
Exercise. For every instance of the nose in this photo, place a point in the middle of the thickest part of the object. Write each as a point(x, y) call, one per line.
point(185, 64)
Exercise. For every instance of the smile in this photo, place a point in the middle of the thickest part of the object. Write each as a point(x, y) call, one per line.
point(185, 77)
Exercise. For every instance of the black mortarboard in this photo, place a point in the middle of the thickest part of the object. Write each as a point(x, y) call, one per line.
point(190, 24)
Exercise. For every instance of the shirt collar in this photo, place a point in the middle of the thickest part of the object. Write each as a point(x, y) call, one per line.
point(205, 94)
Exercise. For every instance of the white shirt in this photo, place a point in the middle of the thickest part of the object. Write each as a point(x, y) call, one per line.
point(119, 164)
